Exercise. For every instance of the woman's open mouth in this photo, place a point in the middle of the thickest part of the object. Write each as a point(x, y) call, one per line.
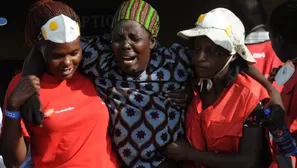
point(129, 60)
point(66, 71)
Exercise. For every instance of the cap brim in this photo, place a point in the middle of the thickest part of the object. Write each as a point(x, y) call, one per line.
point(245, 53)
point(3, 21)
point(220, 38)
point(194, 32)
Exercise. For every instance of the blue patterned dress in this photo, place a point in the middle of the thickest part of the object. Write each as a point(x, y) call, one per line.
point(142, 119)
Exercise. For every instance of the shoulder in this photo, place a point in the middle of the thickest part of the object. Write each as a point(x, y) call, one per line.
point(180, 52)
point(243, 80)
point(251, 92)
point(176, 56)
point(94, 46)
point(250, 86)
point(92, 42)
point(96, 52)
point(175, 51)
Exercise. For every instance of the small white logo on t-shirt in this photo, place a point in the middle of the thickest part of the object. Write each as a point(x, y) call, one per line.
point(259, 55)
point(64, 110)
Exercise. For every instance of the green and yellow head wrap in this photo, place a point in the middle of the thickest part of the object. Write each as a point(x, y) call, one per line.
point(141, 12)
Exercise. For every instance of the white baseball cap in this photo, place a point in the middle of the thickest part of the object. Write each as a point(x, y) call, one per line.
point(224, 28)
point(60, 29)
point(3, 21)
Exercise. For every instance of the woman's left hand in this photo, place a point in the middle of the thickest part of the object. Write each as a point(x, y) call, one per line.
point(178, 97)
point(178, 150)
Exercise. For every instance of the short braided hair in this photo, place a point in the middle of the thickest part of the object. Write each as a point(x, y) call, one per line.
point(42, 11)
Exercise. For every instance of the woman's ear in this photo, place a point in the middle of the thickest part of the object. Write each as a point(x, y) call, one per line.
point(153, 41)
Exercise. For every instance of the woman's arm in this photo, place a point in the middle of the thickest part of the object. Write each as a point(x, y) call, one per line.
point(275, 97)
point(13, 146)
point(12, 143)
point(255, 74)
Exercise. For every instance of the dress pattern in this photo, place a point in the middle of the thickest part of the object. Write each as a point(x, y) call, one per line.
point(142, 119)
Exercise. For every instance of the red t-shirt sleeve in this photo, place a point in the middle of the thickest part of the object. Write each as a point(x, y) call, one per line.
point(10, 88)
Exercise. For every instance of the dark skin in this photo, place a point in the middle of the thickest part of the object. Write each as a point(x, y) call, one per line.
point(211, 58)
point(208, 60)
point(284, 49)
point(62, 61)
point(132, 45)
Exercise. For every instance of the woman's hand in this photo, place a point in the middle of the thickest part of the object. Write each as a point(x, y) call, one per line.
point(25, 88)
point(276, 118)
point(179, 97)
point(178, 150)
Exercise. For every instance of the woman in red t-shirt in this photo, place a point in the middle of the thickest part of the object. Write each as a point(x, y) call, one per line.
point(75, 126)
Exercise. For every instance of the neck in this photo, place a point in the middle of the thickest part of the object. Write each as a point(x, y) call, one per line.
point(217, 84)
point(221, 74)
point(291, 51)
point(217, 81)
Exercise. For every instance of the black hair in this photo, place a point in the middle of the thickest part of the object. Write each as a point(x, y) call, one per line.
point(250, 12)
point(40, 12)
point(283, 20)
point(239, 65)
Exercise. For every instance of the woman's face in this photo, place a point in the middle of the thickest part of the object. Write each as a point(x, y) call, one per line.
point(208, 57)
point(62, 60)
point(131, 45)
point(278, 47)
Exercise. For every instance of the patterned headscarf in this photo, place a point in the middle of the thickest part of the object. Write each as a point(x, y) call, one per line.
point(139, 11)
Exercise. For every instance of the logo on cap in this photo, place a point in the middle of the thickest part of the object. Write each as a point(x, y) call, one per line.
point(200, 18)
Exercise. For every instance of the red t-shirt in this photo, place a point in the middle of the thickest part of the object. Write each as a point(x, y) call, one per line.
point(219, 127)
point(289, 97)
point(260, 47)
point(75, 128)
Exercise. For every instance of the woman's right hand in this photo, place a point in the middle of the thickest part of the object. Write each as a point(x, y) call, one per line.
point(25, 88)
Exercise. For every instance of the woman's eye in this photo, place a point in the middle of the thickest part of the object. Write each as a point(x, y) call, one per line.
point(74, 53)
